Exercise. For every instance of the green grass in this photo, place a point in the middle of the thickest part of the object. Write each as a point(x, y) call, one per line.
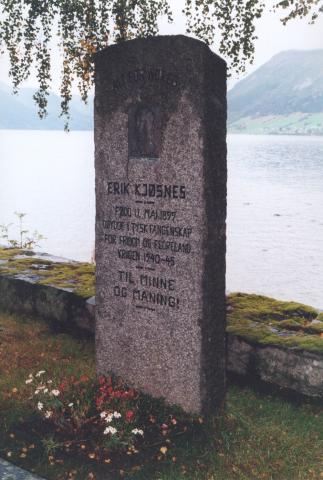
point(259, 437)
point(267, 321)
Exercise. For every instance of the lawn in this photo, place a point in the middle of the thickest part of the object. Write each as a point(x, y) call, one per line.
point(260, 436)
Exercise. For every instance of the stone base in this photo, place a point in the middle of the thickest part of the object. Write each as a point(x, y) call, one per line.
point(66, 309)
point(288, 368)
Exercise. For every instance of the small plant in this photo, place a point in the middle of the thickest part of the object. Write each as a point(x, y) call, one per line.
point(4, 232)
point(50, 445)
point(26, 240)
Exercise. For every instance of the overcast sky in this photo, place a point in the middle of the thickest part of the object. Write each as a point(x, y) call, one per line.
point(273, 38)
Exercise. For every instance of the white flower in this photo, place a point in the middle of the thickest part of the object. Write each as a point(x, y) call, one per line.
point(70, 404)
point(117, 415)
point(103, 414)
point(29, 380)
point(49, 382)
point(55, 392)
point(111, 430)
point(36, 392)
point(109, 418)
point(46, 390)
point(41, 372)
point(48, 414)
point(30, 375)
point(40, 406)
point(136, 431)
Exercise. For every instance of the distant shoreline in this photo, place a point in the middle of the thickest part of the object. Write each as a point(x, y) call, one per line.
point(275, 134)
point(230, 132)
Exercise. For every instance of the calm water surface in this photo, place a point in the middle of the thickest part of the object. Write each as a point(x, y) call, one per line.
point(275, 205)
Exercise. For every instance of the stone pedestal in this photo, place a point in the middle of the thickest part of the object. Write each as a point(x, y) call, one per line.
point(160, 141)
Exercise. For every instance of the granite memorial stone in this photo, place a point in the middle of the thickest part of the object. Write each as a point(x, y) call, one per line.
point(160, 142)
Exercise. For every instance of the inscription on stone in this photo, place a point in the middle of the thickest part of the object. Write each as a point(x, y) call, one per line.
point(160, 222)
point(144, 75)
point(147, 237)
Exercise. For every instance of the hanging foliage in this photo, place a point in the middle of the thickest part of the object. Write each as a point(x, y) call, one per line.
point(28, 29)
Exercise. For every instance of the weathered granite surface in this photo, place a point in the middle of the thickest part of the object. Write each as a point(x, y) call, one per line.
point(160, 128)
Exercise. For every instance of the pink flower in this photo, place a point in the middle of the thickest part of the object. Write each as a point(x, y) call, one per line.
point(129, 415)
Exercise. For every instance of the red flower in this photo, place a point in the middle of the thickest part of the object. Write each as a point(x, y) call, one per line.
point(106, 391)
point(129, 415)
point(105, 381)
point(102, 380)
point(99, 401)
point(63, 385)
point(84, 378)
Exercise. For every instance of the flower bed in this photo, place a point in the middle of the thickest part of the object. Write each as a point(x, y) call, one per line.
point(103, 419)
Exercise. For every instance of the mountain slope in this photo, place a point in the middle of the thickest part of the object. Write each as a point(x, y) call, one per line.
point(283, 96)
point(20, 112)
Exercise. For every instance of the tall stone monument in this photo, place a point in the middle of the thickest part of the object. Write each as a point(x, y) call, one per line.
point(160, 158)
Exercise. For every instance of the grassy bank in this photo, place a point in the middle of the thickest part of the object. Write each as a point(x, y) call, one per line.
point(259, 437)
point(290, 124)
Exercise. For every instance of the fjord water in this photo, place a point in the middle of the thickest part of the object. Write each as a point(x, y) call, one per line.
point(275, 217)
point(275, 205)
